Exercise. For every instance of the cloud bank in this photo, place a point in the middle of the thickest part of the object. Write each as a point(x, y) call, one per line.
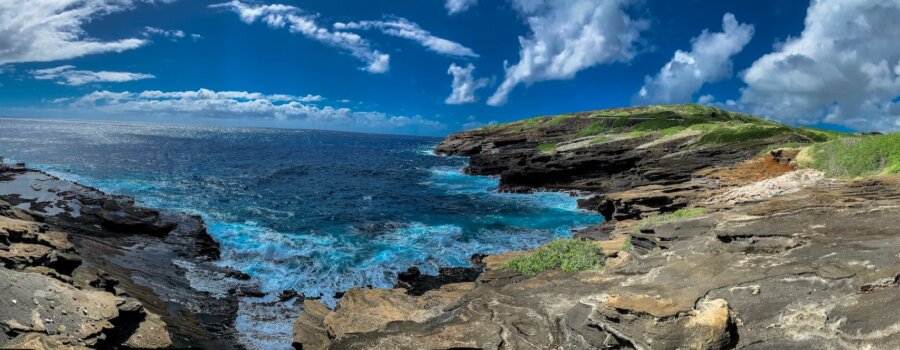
point(568, 36)
point(708, 61)
point(844, 68)
point(68, 75)
point(241, 104)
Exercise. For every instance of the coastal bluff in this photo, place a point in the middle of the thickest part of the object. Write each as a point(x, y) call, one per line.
point(722, 231)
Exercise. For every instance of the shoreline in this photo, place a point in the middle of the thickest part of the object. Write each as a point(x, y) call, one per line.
point(412, 279)
point(121, 249)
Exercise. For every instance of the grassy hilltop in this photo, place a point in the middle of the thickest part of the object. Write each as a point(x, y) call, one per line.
point(835, 153)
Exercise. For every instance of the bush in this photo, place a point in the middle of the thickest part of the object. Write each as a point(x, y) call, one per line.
point(562, 254)
point(677, 215)
point(858, 156)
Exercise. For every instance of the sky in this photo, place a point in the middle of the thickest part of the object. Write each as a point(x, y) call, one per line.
point(433, 67)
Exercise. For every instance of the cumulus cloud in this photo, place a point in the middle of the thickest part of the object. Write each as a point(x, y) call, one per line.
point(293, 19)
point(844, 68)
point(708, 61)
point(50, 30)
point(568, 36)
point(243, 104)
point(459, 6)
point(68, 75)
point(464, 84)
point(403, 28)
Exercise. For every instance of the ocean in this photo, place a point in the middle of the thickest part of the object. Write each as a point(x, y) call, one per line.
point(316, 211)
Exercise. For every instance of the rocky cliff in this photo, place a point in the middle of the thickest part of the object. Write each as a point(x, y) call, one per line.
point(82, 269)
point(717, 237)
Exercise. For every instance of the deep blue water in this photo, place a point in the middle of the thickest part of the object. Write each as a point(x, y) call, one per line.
point(316, 211)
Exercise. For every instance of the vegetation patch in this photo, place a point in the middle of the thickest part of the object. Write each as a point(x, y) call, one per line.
point(562, 254)
point(850, 157)
point(677, 215)
point(738, 133)
point(593, 129)
point(558, 119)
point(546, 147)
point(600, 139)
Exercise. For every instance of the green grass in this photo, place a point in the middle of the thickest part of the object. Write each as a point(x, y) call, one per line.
point(593, 129)
point(671, 131)
point(558, 119)
point(546, 147)
point(600, 139)
point(738, 133)
point(850, 157)
point(638, 133)
point(626, 247)
point(562, 254)
point(677, 215)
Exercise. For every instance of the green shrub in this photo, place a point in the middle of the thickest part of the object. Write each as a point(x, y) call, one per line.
point(677, 215)
point(858, 156)
point(562, 254)
point(546, 147)
point(593, 129)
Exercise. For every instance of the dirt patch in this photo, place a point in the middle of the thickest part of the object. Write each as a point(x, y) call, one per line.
point(756, 169)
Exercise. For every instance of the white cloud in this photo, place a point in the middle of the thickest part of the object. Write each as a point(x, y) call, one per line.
point(242, 104)
point(706, 99)
point(403, 28)
point(171, 34)
point(294, 20)
point(458, 6)
point(568, 36)
point(708, 61)
point(50, 30)
point(464, 84)
point(68, 75)
point(844, 68)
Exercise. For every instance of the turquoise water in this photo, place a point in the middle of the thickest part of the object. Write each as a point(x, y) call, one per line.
point(315, 211)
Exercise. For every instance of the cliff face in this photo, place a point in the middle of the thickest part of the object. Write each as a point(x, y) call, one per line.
point(79, 268)
point(714, 240)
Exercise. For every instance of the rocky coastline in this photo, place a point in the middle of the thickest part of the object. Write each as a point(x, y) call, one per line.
point(83, 269)
point(716, 237)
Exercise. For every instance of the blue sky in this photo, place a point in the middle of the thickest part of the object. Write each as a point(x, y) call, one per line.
point(437, 66)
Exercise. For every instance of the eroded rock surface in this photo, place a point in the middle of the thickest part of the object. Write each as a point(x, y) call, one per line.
point(778, 258)
point(81, 269)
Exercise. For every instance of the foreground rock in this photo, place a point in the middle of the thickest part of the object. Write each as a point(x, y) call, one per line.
point(771, 258)
point(79, 268)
